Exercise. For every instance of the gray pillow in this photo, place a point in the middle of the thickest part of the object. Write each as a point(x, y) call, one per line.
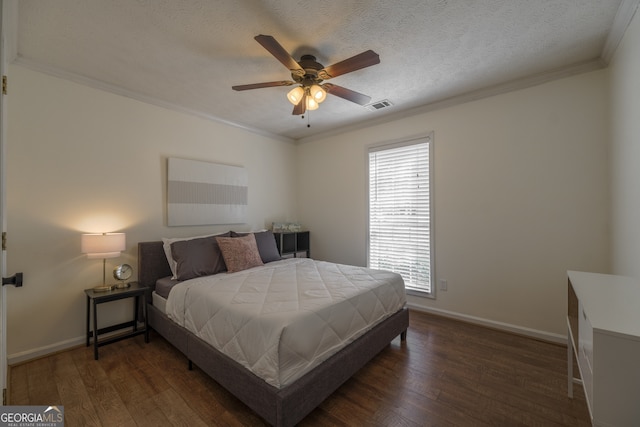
point(266, 242)
point(198, 257)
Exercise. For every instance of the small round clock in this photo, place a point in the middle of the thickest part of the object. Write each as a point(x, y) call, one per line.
point(122, 272)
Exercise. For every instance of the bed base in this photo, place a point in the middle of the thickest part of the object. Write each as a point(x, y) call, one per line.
point(279, 407)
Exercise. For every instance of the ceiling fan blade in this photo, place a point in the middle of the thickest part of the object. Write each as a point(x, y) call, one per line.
point(261, 85)
point(362, 60)
point(301, 107)
point(348, 94)
point(280, 53)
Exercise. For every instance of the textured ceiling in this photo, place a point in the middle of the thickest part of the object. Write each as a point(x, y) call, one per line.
point(187, 54)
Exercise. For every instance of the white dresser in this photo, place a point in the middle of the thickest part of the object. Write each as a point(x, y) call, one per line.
point(604, 332)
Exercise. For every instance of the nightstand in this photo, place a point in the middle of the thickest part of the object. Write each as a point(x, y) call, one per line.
point(136, 291)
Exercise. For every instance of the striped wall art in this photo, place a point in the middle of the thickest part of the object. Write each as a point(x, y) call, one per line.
point(202, 193)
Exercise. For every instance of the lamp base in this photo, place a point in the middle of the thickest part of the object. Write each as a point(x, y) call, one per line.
point(103, 288)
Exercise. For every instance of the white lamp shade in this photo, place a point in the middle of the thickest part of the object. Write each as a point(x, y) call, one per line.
point(311, 103)
point(295, 95)
point(107, 245)
point(318, 93)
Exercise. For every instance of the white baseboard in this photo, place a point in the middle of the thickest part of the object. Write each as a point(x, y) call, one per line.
point(47, 350)
point(533, 333)
point(35, 353)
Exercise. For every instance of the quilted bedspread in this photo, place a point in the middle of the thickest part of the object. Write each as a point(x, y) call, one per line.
point(284, 318)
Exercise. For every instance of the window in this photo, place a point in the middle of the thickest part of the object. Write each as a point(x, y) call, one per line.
point(400, 221)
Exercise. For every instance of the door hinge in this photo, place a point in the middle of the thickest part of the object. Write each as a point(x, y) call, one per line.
point(4, 85)
point(4, 397)
point(4, 240)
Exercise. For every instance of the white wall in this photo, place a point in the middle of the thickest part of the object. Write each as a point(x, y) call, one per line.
point(521, 182)
point(625, 153)
point(83, 160)
point(521, 196)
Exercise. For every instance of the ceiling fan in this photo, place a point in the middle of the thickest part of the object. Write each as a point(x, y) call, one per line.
point(308, 75)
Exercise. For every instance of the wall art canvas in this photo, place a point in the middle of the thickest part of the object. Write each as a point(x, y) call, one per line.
point(203, 193)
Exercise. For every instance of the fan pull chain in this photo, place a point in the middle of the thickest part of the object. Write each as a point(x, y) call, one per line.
point(308, 118)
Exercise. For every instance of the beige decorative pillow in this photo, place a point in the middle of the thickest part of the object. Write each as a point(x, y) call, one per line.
point(239, 253)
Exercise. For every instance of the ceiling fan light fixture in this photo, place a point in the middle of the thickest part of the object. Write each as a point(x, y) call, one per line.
point(311, 103)
point(308, 75)
point(295, 95)
point(317, 93)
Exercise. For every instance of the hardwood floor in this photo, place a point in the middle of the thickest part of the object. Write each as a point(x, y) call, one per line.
point(447, 373)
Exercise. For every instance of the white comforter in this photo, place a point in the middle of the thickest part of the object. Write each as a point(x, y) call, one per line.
point(286, 317)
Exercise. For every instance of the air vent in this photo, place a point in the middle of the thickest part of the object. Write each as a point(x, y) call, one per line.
point(379, 105)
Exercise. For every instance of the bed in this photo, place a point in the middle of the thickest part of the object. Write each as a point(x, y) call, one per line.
point(287, 397)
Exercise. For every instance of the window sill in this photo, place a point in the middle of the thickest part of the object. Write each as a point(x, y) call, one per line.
point(423, 294)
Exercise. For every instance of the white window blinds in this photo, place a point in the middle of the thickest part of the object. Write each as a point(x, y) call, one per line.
point(400, 212)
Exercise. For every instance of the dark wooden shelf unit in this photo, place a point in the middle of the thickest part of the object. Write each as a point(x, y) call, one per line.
point(293, 244)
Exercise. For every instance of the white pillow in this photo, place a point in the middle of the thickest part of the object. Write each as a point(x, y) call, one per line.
point(166, 245)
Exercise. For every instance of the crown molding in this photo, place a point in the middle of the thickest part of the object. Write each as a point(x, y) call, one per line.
point(623, 18)
point(523, 83)
point(96, 84)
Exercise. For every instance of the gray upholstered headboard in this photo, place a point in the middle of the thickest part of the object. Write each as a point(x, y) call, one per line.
point(152, 263)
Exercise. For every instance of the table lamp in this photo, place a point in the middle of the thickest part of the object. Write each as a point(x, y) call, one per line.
point(105, 245)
